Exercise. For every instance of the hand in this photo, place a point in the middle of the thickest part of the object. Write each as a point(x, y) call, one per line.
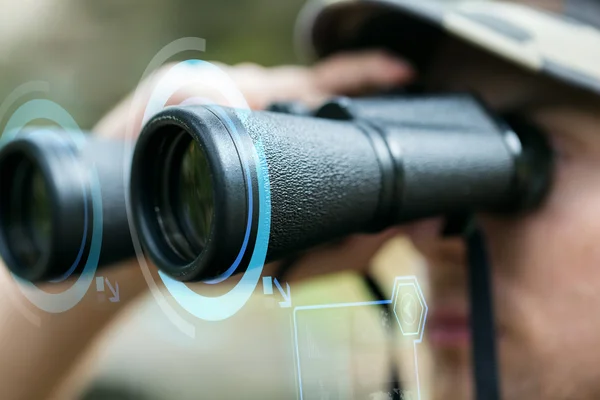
point(52, 349)
point(343, 74)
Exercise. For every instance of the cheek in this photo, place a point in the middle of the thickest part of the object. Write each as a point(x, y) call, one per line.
point(547, 265)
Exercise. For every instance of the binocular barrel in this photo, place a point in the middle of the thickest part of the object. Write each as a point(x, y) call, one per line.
point(51, 185)
point(355, 166)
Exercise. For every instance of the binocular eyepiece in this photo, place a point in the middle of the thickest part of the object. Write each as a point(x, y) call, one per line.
point(353, 165)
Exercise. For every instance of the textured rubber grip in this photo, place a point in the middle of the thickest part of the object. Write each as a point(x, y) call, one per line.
point(324, 175)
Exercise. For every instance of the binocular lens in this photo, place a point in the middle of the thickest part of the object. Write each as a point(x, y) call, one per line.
point(28, 214)
point(184, 198)
point(38, 209)
point(196, 194)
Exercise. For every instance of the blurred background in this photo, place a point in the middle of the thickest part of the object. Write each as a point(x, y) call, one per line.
point(92, 53)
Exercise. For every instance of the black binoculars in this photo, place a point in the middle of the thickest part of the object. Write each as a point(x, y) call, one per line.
point(351, 165)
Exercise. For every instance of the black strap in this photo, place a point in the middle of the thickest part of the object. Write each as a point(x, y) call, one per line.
point(485, 365)
point(395, 389)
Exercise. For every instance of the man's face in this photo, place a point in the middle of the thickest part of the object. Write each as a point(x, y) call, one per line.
point(546, 265)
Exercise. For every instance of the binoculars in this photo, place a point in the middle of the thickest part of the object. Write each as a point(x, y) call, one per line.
point(349, 166)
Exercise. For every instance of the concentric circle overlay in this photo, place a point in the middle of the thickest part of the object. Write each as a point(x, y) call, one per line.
point(46, 109)
point(201, 74)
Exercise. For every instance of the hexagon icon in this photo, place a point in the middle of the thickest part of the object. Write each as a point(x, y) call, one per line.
point(410, 308)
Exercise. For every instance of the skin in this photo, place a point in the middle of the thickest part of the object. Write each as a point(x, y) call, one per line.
point(546, 282)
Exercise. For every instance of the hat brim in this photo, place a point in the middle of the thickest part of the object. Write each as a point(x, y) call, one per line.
point(539, 41)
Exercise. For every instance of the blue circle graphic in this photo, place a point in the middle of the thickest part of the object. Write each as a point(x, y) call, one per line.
point(231, 127)
point(226, 305)
point(64, 301)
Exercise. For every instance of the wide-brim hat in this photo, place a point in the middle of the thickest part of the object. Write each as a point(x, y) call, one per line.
point(561, 40)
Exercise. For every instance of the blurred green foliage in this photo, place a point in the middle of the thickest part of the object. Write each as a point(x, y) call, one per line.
point(94, 52)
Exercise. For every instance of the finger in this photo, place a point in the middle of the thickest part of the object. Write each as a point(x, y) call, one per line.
point(343, 74)
point(353, 253)
point(188, 84)
point(361, 73)
point(262, 86)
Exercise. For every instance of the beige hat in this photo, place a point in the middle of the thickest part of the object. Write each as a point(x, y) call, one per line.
point(562, 39)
